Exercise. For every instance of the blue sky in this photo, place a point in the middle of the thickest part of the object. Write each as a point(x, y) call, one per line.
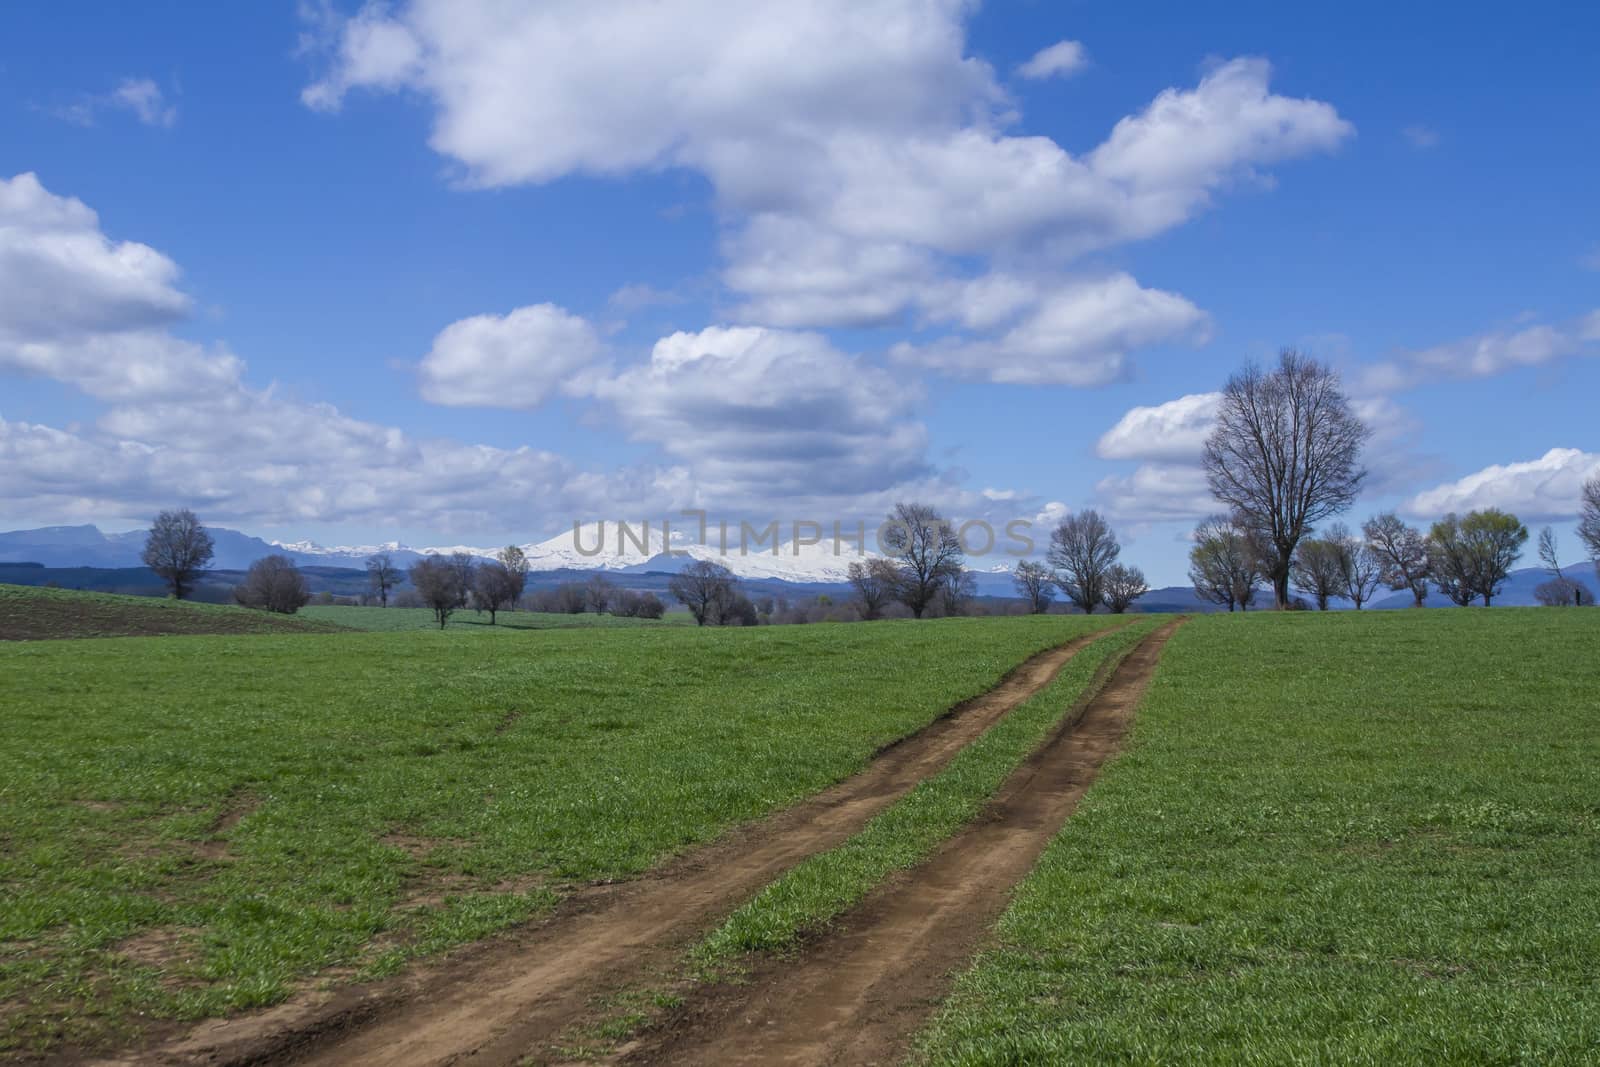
point(270, 261)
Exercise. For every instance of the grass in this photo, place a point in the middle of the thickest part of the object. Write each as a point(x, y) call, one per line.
point(30, 613)
point(1354, 839)
point(393, 619)
point(824, 886)
point(192, 825)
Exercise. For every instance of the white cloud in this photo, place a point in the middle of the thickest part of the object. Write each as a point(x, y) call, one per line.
point(508, 361)
point(144, 98)
point(1173, 432)
point(1157, 492)
point(83, 309)
point(1077, 334)
point(1421, 136)
point(855, 151)
point(1487, 354)
point(1058, 61)
point(1543, 489)
point(776, 415)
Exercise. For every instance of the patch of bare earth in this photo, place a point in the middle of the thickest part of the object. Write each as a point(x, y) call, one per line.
point(496, 1000)
point(859, 993)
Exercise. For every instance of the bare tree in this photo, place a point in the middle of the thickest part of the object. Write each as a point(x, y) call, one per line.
point(1222, 564)
point(1589, 519)
point(1319, 569)
point(1363, 572)
point(1285, 454)
point(705, 588)
point(465, 564)
point(178, 549)
point(1123, 586)
point(1549, 554)
point(1563, 592)
point(494, 587)
point(650, 606)
point(1035, 585)
point(1401, 552)
point(273, 583)
point(927, 549)
point(957, 592)
point(515, 561)
point(1082, 549)
point(437, 581)
point(382, 576)
point(874, 582)
point(600, 591)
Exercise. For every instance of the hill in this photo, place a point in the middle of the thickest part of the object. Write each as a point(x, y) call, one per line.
point(33, 614)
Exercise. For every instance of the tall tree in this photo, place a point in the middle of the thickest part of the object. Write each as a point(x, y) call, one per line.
point(1082, 549)
point(1589, 519)
point(600, 591)
point(178, 549)
point(1319, 569)
point(1035, 585)
point(927, 550)
point(1124, 585)
point(1284, 455)
point(1222, 564)
point(1549, 553)
point(1495, 539)
point(1363, 570)
point(956, 594)
point(464, 564)
point(1450, 561)
point(493, 588)
point(1401, 552)
point(707, 589)
point(437, 581)
point(874, 583)
point(382, 576)
point(515, 561)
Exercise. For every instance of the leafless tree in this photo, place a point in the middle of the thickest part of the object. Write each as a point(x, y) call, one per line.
point(1082, 549)
point(569, 598)
point(874, 582)
point(273, 583)
point(1320, 565)
point(1123, 586)
point(178, 549)
point(1401, 552)
point(1363, 572)
point(382, 576)
point(1285, 454)
point(1563, 592)
point(650, 606)
point(1549, 554)
point(437, 581)
point(464, 563)
point(1035, 585)
point(1589, 520)
point(705, 588)
point(927, 549)
point(600, 590)
point(515, 561)
point(956, 594)
point(494, 588)
point(1222, 564)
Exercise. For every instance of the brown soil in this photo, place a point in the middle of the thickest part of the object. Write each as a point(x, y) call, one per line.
point(495, 1001)
point(858, 994)
point(36, 615)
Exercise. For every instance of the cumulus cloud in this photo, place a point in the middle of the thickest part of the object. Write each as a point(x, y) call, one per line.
point(1544, 489)
point(508, 361)
point(83, 309)
point(1058, 61)
point(772, 414)
point(856, 152)
point(1174, 432)
point(1077, 334)
point(1157, 492)
point(1487, 354)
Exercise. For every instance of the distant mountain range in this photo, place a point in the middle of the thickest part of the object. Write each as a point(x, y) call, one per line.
point(811, 569)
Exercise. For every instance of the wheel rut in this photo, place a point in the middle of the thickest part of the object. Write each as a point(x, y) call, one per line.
point(858, 994)
point(493, 1002)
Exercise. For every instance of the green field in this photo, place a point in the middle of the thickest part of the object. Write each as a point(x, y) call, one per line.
point(193, 824)
point(29, 613)
point(391, 619)
point(1336, 838)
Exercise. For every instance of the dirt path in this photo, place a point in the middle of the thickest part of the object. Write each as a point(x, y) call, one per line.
point(860, 993)
point(496, 1001)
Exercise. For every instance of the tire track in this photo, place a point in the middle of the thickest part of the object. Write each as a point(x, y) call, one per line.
point(859, 993)
point(495, 1001)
